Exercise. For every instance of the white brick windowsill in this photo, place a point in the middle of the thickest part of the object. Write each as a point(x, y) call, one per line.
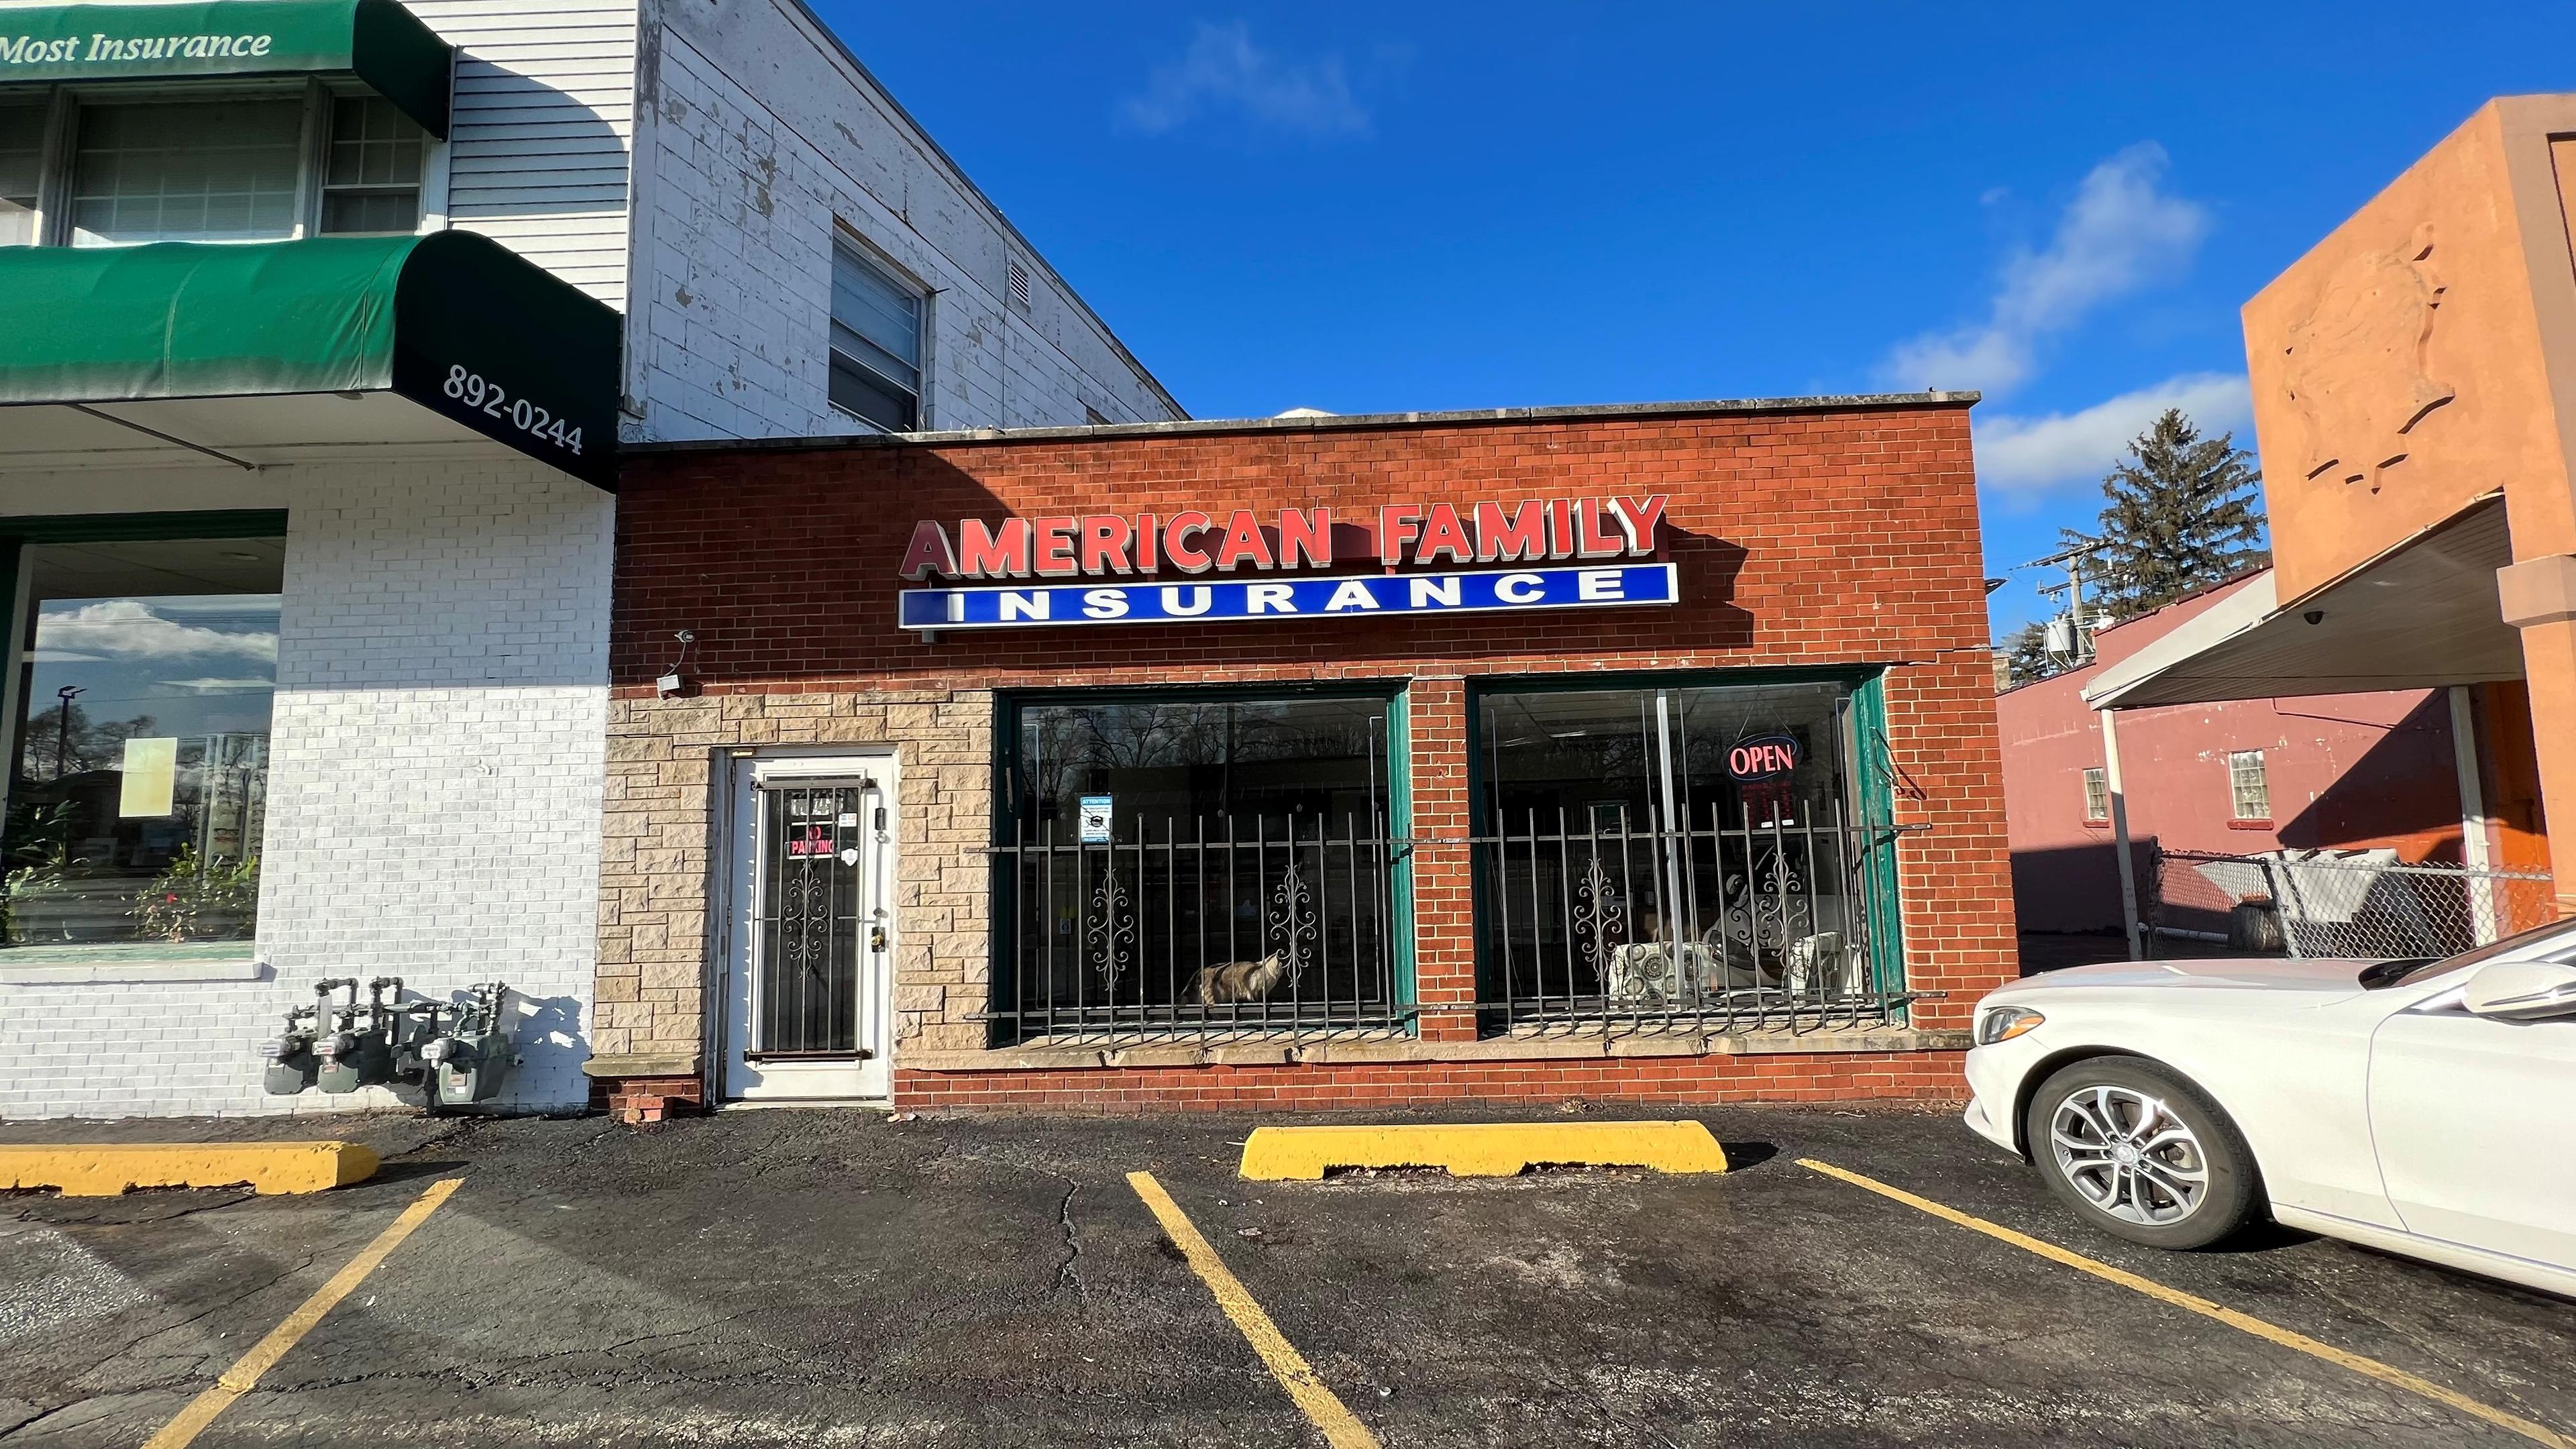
point(141, 966)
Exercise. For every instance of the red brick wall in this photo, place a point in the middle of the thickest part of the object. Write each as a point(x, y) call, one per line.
point(1803, 1077)
point(1804, 538)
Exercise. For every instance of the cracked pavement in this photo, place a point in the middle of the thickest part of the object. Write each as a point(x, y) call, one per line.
point(837, 1278)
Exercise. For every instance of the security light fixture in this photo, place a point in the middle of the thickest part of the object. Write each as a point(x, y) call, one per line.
point(673, 681)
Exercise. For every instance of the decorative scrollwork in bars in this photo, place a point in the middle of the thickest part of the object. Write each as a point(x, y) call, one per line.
point(1292, 919)
point(1110, 933)
point(1600, 917)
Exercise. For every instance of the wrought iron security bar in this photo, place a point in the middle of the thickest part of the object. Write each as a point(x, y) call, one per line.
point(1211, 928)
point(1723, 926)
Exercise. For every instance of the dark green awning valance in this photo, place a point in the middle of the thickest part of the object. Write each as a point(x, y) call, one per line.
point(452, 321)
point(378, 41)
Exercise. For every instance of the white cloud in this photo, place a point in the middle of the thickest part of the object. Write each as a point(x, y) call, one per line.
point(2024, 459)
point(217, 686)
point(129, 629)
point(1223, 69)
point(2120, 233)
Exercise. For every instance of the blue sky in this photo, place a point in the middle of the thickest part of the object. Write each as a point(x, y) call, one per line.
point(1386, 207)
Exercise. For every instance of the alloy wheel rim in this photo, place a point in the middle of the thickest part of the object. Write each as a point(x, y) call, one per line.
point(2129, 1155)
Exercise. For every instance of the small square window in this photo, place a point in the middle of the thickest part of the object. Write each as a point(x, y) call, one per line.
point(371, 182)
point(2097, 794)
point(2250, 790)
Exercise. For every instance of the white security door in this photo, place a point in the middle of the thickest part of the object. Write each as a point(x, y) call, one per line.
point(2475, 1140)
point(810, 930)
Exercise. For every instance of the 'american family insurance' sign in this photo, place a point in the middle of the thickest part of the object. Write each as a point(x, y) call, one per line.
point(1571, 553)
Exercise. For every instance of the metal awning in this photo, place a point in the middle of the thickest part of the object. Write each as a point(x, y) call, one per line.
point(384, 46)
point(2421, 616)
point(262, 353)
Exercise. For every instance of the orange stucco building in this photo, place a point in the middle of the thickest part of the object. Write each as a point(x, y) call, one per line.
point(2414, 381)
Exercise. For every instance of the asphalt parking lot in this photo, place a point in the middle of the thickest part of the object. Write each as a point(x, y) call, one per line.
point(814, 1278)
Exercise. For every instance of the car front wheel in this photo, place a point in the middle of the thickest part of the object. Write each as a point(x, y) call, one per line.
point(2142, 1153)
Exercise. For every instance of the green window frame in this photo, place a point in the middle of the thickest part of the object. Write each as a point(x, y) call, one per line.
point(1003, 889)
point(1871, 786)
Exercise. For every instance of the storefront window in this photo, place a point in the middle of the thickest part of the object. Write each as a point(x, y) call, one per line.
point(1179, 863)
point(1669, 848)
point(140, 780)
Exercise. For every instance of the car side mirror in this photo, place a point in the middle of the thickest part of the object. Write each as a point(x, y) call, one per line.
point(2521, 991)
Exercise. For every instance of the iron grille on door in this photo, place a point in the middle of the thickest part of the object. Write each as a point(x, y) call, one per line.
point(812, 926)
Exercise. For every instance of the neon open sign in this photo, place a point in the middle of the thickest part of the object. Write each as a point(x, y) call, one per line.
point(1770, 757)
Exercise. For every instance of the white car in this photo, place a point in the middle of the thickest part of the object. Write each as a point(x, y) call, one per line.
point(2423, 1107)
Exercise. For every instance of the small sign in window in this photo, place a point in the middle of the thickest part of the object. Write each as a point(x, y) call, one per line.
point(1096, 816)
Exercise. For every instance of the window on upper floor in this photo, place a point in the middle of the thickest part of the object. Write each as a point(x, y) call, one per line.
point(2250, 790)
point(263, 165)
point(371, 177)
point(876, 342)
point(2097, 794)
point(22, 160)
point(191, 171)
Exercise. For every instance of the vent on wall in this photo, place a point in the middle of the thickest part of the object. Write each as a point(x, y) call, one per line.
point(1019, 282)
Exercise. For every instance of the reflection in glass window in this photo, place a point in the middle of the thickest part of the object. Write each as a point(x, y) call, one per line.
point(876, 343)
point(372, 182)
point(1157, 842)
point(140, 781)
point(188, 171)
point(1664, 848)
point(22, 162)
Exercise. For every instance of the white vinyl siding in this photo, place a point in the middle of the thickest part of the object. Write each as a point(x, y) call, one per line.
point(542, 127)
point(2249, 788)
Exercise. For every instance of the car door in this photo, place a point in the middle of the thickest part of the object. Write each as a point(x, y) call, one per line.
point(2470, 1119)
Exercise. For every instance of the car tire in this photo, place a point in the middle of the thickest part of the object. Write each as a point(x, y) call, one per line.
point(2140, 1152)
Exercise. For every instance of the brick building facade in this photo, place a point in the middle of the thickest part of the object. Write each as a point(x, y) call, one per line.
point(1830, 597)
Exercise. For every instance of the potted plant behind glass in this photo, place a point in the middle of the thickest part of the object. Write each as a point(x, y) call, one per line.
point(200, 898)
point(40, 897)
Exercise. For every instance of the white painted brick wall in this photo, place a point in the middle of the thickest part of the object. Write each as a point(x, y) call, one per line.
point(755, 139)
point(435, 783)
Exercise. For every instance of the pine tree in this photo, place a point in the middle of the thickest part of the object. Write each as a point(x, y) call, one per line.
point(2181, 514)
point(2025, 652)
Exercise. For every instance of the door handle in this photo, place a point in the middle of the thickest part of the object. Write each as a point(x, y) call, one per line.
point(876, 938)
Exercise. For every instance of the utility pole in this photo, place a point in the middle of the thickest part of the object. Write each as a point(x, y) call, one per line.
point(2076, 647)
point(63, 734)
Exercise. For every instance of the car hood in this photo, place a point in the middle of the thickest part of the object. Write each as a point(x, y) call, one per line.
point(2253, 973)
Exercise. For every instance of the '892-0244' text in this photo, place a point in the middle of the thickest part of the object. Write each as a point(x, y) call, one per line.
point(493, 400)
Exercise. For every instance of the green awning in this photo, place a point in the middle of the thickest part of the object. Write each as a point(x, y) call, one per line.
point(384, 45)
point(452, 321)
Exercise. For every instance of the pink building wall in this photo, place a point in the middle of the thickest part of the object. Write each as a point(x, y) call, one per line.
point(2346, 770)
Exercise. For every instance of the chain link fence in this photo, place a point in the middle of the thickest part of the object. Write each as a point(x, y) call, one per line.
point(2361, 903)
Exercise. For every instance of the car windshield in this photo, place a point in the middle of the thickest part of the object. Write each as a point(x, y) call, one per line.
point(2381, 975)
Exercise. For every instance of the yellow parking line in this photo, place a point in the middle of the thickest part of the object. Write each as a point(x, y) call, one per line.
point(1285, 1363)
point(263, 1356)
point(2369, 1367)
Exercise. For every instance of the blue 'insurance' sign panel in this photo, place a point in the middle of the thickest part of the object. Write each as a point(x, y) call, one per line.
point(1276, 600)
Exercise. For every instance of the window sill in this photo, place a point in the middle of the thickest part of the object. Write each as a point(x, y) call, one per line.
point(2249, 825)
point(104, 965)
point(2097, 823)
point(1575, 1043)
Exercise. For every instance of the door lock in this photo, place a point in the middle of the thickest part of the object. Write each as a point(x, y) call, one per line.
point(876, 938)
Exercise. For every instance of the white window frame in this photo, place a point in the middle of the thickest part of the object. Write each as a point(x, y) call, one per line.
point(62, 103)
point(868, 254)
point(2097, 782)
point(2237, 780)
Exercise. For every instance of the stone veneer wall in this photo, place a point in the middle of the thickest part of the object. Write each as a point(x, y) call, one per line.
point(667, 759)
